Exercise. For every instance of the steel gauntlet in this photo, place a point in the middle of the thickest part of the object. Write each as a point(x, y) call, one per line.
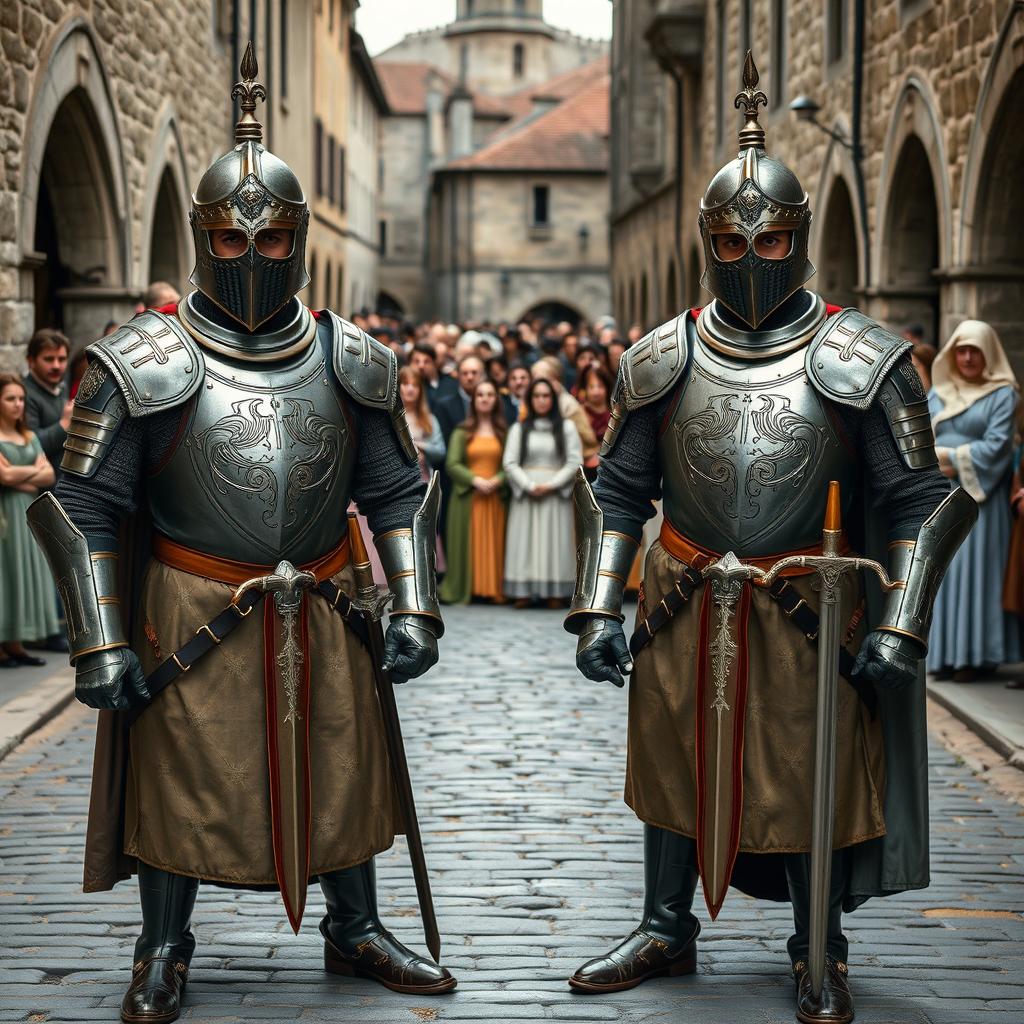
point(86, 580)
point(603, 561)
point(920, 565)
point(408, 558)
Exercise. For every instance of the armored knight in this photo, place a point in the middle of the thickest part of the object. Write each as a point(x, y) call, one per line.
point(237, 426)
point(738, 415)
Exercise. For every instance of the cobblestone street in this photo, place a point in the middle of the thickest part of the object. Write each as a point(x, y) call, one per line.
point(518, 766)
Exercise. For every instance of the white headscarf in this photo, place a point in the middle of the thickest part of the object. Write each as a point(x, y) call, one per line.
point(958, 394)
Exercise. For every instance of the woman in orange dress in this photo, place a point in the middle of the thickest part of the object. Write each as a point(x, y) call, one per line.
point(475, 538)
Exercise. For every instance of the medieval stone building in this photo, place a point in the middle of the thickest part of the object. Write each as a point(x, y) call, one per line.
point(495, 201)
point(913, 166)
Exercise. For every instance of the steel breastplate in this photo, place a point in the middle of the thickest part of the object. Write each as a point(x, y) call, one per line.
point(263, 468)
point(748, 453)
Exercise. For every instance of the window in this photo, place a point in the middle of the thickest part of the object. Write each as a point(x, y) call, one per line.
point(778, 69)
point(835, 30)
point(541, 207)
point(341, 178)
point(318, 159)
point(382, 234)
point(332, 148)
point(283, 44)
point(518, 60)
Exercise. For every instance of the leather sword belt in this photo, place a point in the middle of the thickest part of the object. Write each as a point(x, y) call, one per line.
point(783, 593)
point(225, 570)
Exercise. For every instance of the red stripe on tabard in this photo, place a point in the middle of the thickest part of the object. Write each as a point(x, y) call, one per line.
point(702, 687)
point(305, 701)
point(739, 725)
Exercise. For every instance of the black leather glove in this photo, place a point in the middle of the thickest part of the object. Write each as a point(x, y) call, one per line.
point(111, 680)
point(410, 648)
point(602, 653)
point(887, 660)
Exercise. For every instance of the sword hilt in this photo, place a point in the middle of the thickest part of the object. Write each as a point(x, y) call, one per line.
point(369, 597)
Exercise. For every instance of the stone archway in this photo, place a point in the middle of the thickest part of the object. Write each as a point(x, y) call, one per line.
point(837, 248)
point(389, 305)
point(166, 252)
point(74, 227)
point(553, 311)
point(167, 247)
point(910, 238)
point(990, 283)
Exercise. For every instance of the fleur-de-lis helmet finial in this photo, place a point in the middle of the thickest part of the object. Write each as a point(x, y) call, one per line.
point(250, 92)
point(749, 99)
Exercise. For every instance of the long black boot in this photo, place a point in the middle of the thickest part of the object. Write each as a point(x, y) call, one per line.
point(835, 1005)
point(357, 944)
point(163, 950)
point(666, 940)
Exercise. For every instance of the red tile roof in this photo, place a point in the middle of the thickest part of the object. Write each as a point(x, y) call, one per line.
point(561, 87)
point(571, 137)
point(405, 84)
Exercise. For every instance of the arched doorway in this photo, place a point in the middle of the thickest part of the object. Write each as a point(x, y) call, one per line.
point(998, 239)
point(75, 228)
point(837, 270)
point(167, 247)
point(911, 241)
point(388, 305)
point(553, 311)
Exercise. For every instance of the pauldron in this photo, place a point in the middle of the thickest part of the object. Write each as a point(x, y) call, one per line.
point(368, 371)
point(648, 371)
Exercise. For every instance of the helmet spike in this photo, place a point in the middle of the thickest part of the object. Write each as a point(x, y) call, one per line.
point(249, 91)
point(749, 99)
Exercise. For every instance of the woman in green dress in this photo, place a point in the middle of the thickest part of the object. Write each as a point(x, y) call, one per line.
point(27, 607)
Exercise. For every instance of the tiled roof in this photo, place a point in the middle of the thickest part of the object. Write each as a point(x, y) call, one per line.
point(405, 84)
point(561, 87)
point(572, 136)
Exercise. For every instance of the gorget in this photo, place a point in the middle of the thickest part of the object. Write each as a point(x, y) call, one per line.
point(748, 453)
point(713, 330)
point(262, 470)
point(292, 337)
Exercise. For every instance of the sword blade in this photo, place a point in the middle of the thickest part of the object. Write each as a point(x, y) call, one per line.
point(824, 805)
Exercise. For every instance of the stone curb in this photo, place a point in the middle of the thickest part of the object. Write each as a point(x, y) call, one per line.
point(23, 715)
point(1003, 746)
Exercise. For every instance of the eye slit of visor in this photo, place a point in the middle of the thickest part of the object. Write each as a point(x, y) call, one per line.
point(227, 243)
point(729, 245)
point(275, 243)
point(773, 245)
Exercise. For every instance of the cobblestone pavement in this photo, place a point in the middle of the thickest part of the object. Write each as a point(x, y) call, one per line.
point(518, 765)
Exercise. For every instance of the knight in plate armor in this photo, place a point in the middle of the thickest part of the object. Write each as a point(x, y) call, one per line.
point(200, 543)
point(738, 416)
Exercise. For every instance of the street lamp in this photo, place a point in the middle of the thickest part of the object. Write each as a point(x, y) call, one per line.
point(806, 110)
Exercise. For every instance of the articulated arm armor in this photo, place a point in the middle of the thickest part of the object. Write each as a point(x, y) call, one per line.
point(920, 566)
point(86, 580)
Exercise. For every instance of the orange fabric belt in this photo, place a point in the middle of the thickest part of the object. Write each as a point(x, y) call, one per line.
point(697, 557)
point(225, 570)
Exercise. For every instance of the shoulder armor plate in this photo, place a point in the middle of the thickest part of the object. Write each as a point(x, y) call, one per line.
point(154, 361)
point(368, 372)
point(850, 357)
point(653, 365)
point(903, 399)
point(99, 411)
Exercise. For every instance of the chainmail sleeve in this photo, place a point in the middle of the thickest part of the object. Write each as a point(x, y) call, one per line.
point(97, 504)
point(629, 477)
point(904, 497)
point(387, 488)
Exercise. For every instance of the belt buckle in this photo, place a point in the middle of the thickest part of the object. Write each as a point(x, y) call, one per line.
point(286, 583)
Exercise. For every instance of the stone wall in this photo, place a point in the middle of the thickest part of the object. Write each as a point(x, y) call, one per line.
point(939, 79)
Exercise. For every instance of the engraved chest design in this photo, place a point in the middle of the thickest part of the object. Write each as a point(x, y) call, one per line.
point(748, 453)
point(266, 463)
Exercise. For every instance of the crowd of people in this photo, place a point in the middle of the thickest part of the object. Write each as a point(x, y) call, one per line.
point(507, 413)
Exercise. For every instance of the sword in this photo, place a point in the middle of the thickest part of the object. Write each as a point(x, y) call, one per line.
point(830, 566)
point(371, 601)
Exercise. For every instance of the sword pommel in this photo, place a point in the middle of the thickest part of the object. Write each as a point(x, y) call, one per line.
point(831, 535)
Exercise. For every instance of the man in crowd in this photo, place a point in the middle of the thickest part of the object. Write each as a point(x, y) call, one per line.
point(160, 294)
point(47, 407)
point(451, 411)
point(423, 359)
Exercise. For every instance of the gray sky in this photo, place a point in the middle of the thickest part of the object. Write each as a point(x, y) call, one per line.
point(383, 22)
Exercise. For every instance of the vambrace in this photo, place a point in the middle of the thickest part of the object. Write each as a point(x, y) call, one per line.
point(409, 556)
point(86, 580)
point(903, 398)
point(921, 564)
point(603, 561)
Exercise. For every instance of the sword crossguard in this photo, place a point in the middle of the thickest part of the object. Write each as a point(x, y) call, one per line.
point(286, 583)
point(372, 600)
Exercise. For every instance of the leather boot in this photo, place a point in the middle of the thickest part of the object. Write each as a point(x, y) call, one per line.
point(358, 945)
point(163, 950)
point(666, 940)
point(835, 1005)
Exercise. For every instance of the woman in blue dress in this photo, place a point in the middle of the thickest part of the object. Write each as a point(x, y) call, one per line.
point(973, 402)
